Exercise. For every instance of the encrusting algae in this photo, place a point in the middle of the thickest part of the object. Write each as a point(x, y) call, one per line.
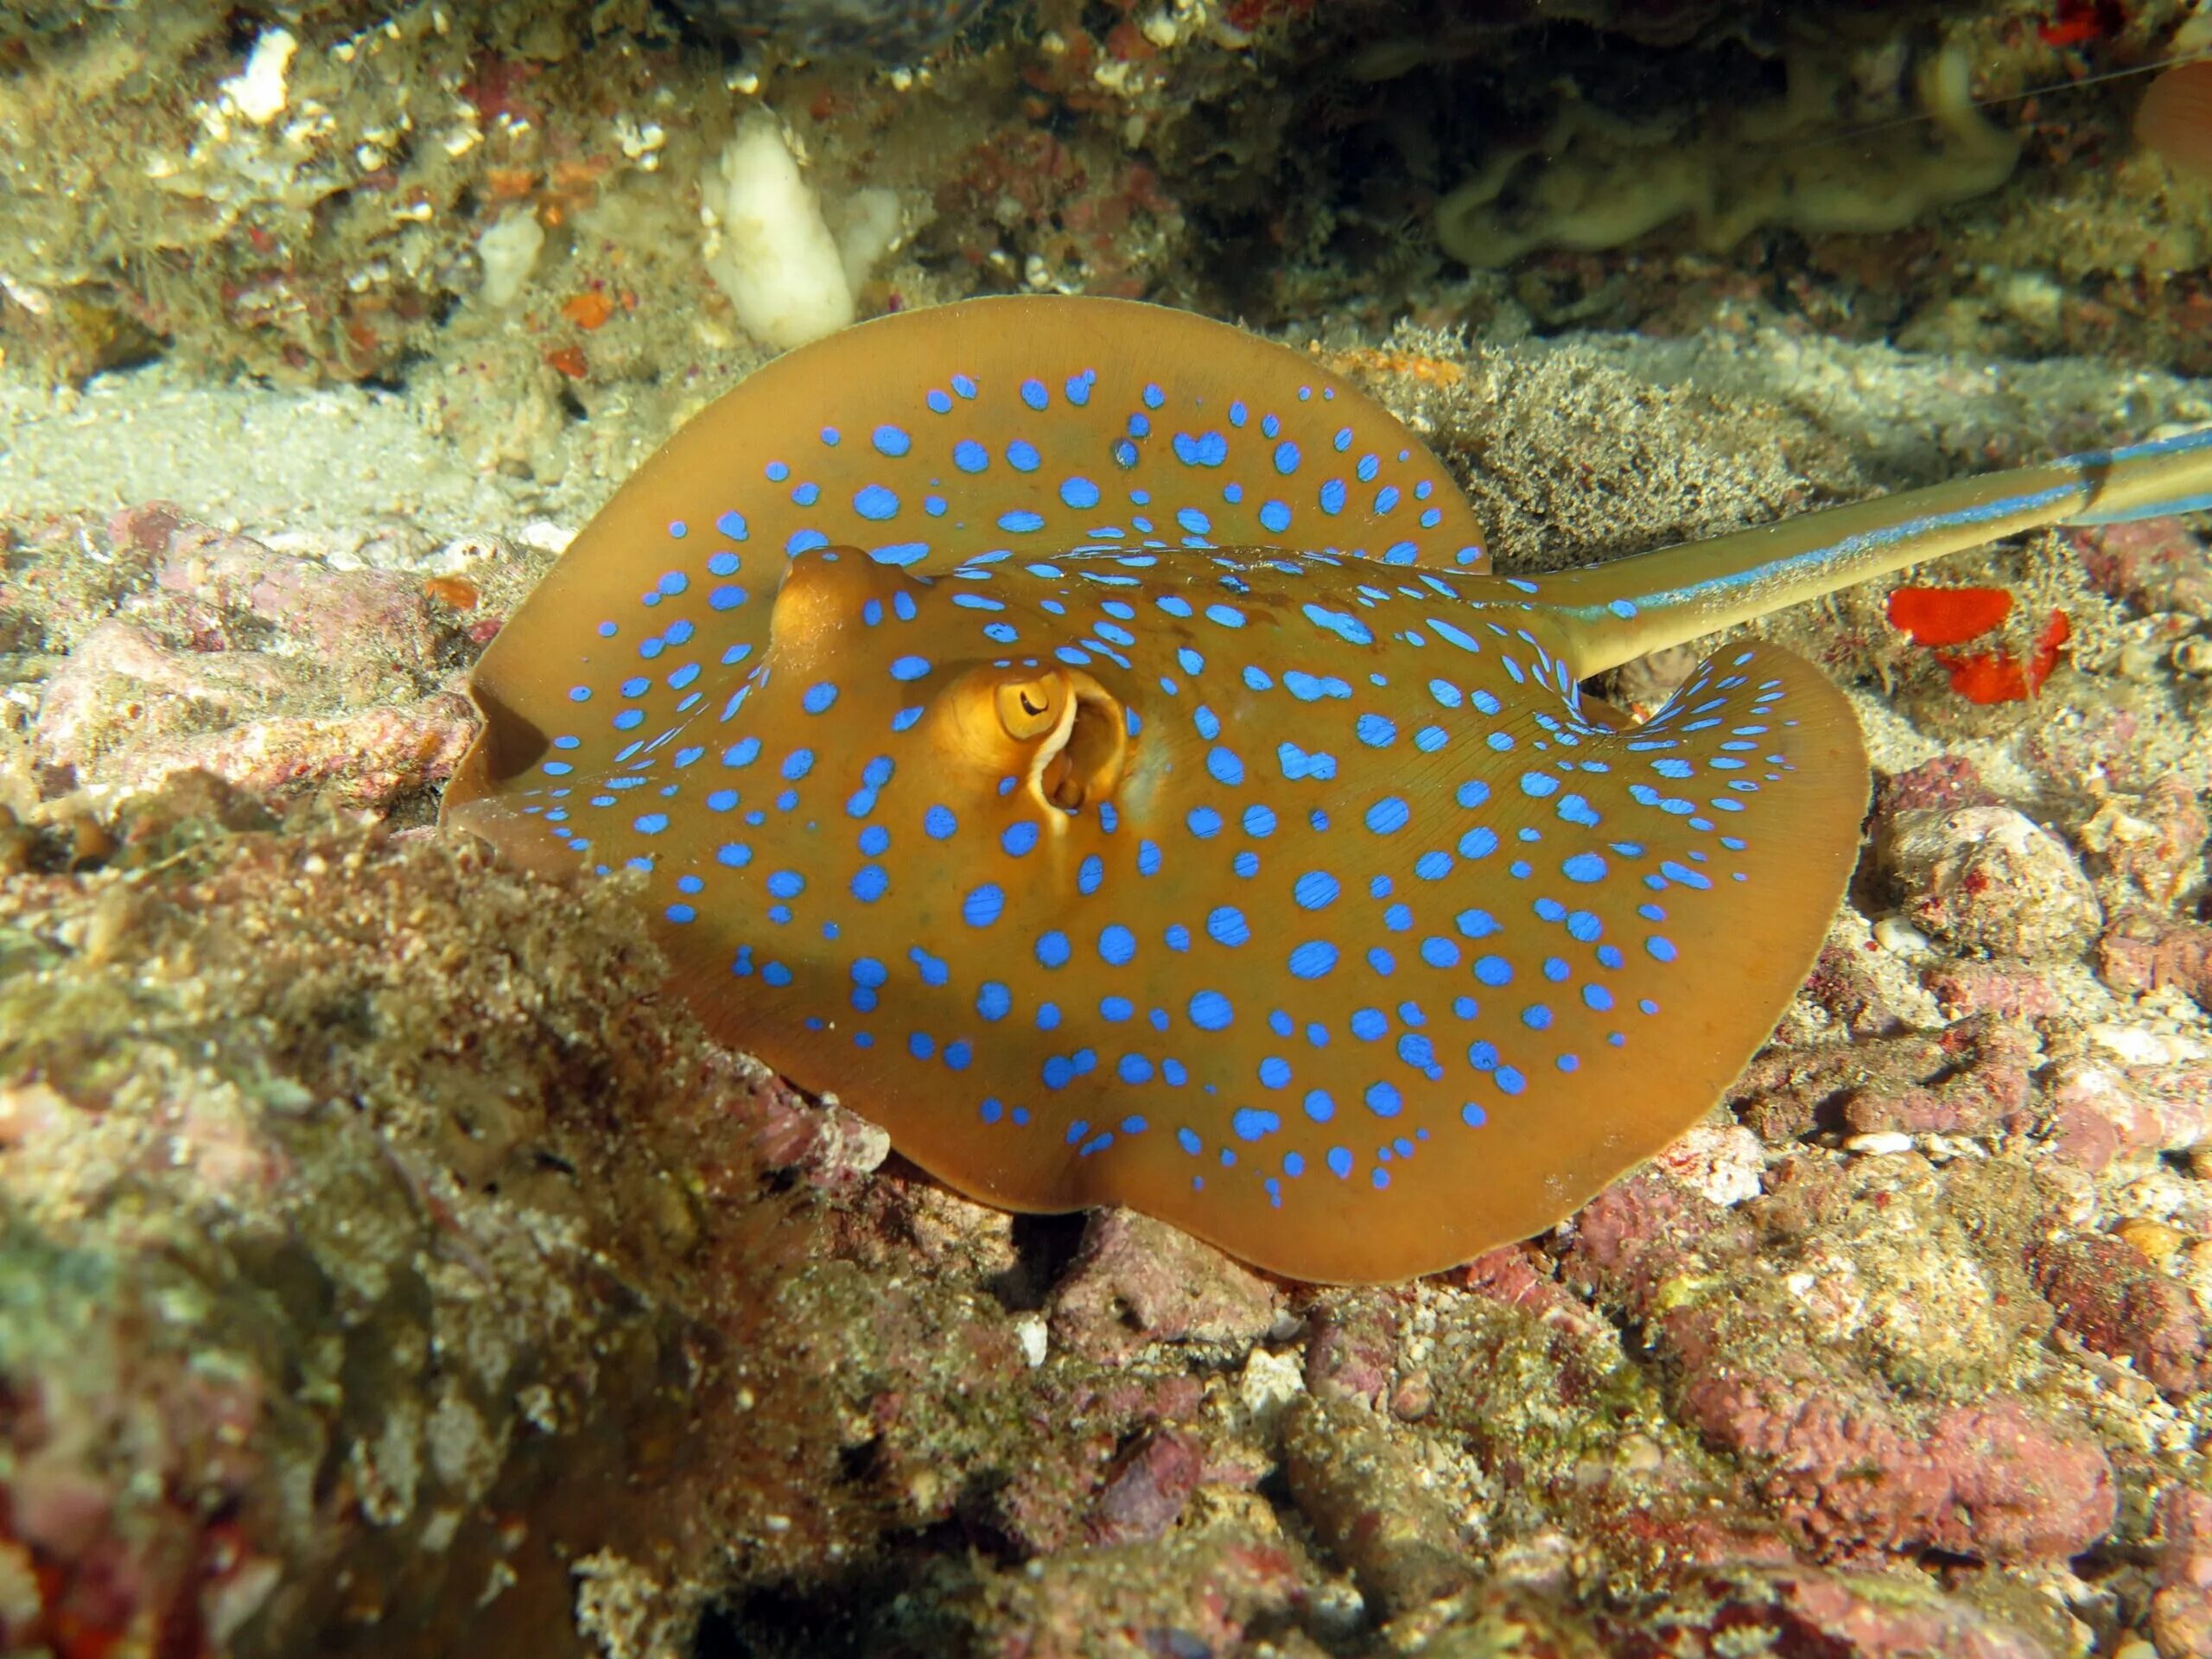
point(391, 1256)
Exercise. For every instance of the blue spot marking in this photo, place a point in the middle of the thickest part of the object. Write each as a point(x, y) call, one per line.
point(971, 456)
point(1207, 449)
point(1116, 945)
point(1583, 866)
point(1210, 1011)
point(1250, 1124)
point(910, 668)
point(1376, 731)
point(984, 906)
point(1224, 766)
point(1342, 623)
point(1494, 970)
point(818, 697)
point(1226, 925)
point(650, 823)
point(873, 501)
point(1388, 816)
point(1312, 960)
point(1053, 949)
point(1296, 763)
point(1383, 1100)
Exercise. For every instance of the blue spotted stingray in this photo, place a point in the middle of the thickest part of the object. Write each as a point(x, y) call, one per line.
point(1091, 741)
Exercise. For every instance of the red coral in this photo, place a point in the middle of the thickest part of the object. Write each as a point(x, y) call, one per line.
point(1948, 616)
point(2117, 1303)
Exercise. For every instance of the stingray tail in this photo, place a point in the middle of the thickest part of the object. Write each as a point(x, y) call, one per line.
point(1621, 610)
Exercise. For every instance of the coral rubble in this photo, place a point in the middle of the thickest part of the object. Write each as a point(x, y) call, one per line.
point(387, 1263)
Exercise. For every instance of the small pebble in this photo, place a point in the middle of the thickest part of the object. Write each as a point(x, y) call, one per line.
point(1877, 1143)
point(1987, 879)
point(546, 535)
point(2154, 1240)
point(2142, 1046)
point(1035, 1337)
point(1271, 1382)
point(1900, 937)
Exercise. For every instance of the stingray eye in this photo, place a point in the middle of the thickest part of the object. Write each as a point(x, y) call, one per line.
point(1030, 709)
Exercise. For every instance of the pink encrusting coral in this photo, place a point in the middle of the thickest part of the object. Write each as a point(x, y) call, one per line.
point(386, 1260)
point(283, 674)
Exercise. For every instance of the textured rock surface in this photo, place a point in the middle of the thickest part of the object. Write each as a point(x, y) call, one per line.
point(376, 1233)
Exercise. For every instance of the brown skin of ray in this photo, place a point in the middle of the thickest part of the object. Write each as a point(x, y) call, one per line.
point(1598, 618)
point(1465, 1192)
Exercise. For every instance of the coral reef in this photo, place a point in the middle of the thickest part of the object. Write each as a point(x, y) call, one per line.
point(387, 1263)
point(896, 32)
point(1906, 1345)
point(1604, 181)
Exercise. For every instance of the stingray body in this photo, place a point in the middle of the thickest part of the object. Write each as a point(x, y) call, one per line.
point(1091, 741)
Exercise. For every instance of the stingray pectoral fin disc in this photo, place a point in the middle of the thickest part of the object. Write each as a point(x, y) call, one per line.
point(1621, 925)
point(989, 429)
point(1364, 968)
